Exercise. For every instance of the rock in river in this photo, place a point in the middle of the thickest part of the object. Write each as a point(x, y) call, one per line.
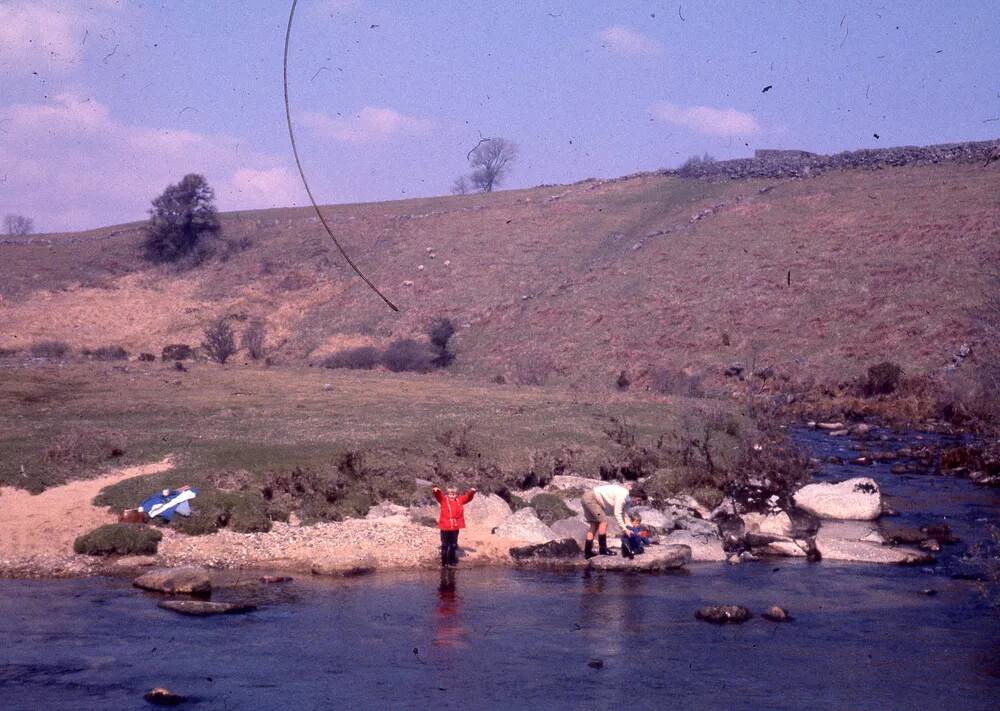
point(541, 552)
point(656, 558)
point(855, 499)
point(704, 546)
point(202, 608)
point(163, 697)
point(858, 541)
point(187, 581)
point(724, 614)
point(777, 614)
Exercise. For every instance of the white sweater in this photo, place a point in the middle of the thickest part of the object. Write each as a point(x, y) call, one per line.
point(613, 497)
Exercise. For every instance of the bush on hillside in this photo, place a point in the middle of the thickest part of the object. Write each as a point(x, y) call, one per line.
point(8, 352)
point(550, 508)
point(360, 358)
point(439, 333)
point(219, 343)
point(407, 354)
point(49, 349)
point(177, 351)
point(691, 165)
point(676, 382)
point(883, 379)
point(240, 511)
point(253, 339)
point(119, 539)
point(181, 220)
point(147, 357)
point(106, 353)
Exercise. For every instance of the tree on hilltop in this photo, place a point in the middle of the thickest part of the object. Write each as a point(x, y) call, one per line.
point(180, 220)
point(490, 162)
point(18, 225)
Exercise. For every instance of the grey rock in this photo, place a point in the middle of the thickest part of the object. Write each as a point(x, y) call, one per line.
point(704, 547)
point(656, 558)
point(656, 518)
point(724, 614)
point(777, 614)
point(568, 481)
point(486, 510)
point(844, 540)
point(524, 525)
point(571, 528)
point(203, 608)
point(346, 567)
point(185, 581)
point(542, 552)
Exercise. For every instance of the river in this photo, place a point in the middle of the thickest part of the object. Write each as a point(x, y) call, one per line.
point(863, 636)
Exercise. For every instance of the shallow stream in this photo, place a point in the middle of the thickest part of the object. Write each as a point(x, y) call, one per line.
point(863, 637)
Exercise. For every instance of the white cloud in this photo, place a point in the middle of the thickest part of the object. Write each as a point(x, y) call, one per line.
point(47, 35)
point(629, 42)
point(706, 120)
point(370, 125)
point(70, 164)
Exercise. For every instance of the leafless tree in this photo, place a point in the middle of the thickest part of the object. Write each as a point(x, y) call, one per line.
point(18, 225)
point(460, 186)
point(490, 161)
point(219, 341)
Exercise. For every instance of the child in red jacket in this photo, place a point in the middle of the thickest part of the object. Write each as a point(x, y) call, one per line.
point(451, 521)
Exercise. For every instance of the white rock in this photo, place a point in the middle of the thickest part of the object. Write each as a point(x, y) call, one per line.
point(789, 548)
point(524, 525)
point(703, 547)
point(447, 262)
point(775, 524)
point(857, 499)
point(420, 267)
point(486, 510)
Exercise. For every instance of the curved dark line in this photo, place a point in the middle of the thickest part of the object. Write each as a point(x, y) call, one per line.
point(302, 174)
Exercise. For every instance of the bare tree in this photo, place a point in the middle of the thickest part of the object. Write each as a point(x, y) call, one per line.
point(219, 341)
point(490, 161)
point(18, 225)
point(253, 339)
point(460, 186)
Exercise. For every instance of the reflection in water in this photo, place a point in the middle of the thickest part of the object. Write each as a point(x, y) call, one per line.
point(449, 629)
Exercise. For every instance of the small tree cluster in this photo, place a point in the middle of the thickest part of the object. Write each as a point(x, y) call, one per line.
point(18, 225)
point(403, 354)
point(219, 343)
point(490, 162)
point(360, 358)
point(253, 339)
point(883, 378)
point(180, 219)
point(692, 164)
point(49, 349)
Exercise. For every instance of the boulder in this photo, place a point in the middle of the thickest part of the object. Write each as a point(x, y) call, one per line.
point(940, 532)
point(777, 614)
point(553, 550)
point(704, 547)
point(897, 533)
point(185, 581)
point(857, 499)
point(524, 525)
point(571, 528)
point(273, 579)
point(845, 540)
point(724, 614)
point(202, 608)
point(386, 509)
point(568, 481)
point(345, 566)
point(779, 524)
point(696, 525)
point(486, 510)
point(656, 558)
point(163, 697)
point(655, 518)
point(783, 548)
point(135, 561)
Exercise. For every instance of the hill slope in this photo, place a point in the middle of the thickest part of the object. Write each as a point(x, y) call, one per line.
point(824, 275)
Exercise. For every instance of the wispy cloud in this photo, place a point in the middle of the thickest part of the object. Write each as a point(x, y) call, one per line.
point(629, 42)
point(372, 124)
point(70, 164)
point(708, 120)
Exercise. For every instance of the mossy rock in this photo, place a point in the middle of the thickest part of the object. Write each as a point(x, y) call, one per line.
point(119, 539)
point(551, 508)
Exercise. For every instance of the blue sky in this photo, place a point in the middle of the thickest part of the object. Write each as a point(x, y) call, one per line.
point(105, 102)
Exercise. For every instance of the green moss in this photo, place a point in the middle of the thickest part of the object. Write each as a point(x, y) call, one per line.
point(120, 539)
point(550, 508)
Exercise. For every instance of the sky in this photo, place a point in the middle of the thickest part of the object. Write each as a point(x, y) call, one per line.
point(103, 103)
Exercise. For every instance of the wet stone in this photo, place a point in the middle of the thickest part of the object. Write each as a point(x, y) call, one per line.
point(724, 614)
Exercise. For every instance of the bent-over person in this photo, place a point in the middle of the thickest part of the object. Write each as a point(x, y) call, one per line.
point(599, 505)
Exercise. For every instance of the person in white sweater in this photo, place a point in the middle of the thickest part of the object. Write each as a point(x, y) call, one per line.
point(600, 504)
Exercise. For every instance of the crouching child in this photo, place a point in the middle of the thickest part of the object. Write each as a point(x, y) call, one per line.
point(635, 538)
point(451, 521)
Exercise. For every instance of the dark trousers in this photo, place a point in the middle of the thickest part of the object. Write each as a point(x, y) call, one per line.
point(449, 547)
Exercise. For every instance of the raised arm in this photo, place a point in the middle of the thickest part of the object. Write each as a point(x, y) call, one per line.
point(437, 493)
point(468, 496)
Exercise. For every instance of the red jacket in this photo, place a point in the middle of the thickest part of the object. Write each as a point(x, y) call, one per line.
point(452, 516)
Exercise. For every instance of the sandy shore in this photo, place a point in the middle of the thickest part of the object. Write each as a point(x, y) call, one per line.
point(37, 534)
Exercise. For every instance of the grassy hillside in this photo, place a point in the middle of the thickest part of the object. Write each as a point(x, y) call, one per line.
point(824, 276)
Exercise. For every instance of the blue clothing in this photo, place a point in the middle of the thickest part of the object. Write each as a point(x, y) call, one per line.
point(633, 540)
point(166, 504)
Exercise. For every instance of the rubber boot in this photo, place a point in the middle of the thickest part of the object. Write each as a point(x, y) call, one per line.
point(453, 555)
point(602, 543)
point(588, 548)
point(444, 555)
point(626, 551)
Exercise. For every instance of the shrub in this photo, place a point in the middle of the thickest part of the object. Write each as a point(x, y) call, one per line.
point(244, 512)
point(119, 539)
point(439, 333)
point(219, 341)
point(49, 349)
point(550, 508)
point(691, 167)
point(147, 357)
point(8, 352)
point(622, 382)
point(676, 382)
point(883, 378)
point(360, 358)
point(407, 354)
point(177, 351)
point(181, 218)
point(253, 339)
point(533, 368)
point(107, 353)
